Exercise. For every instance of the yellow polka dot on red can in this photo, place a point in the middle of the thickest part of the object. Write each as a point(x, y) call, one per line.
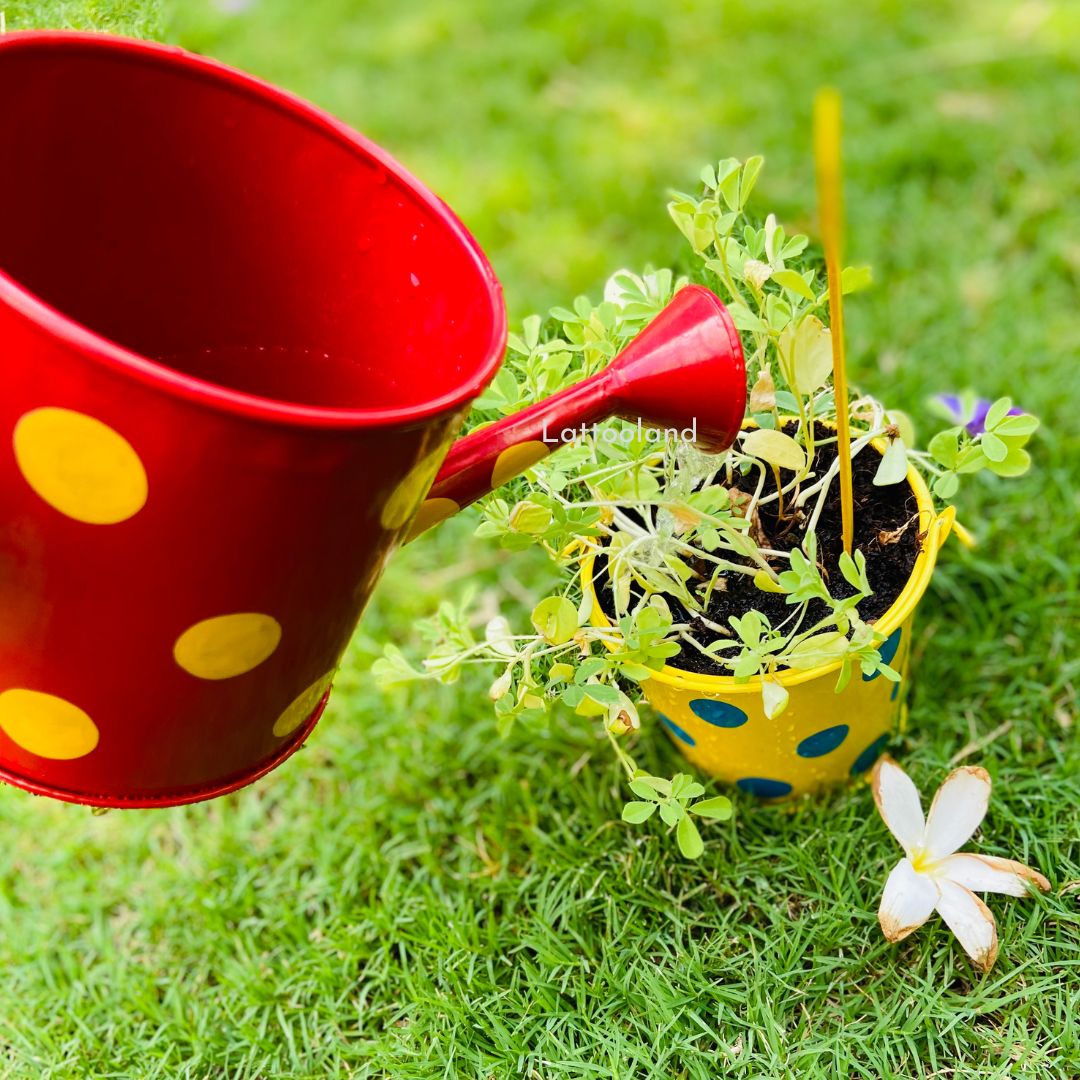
point(514, 460)
point(80, 466)
point(302, 706)
point(431, 512)
point(46, 725)
point(225, 646)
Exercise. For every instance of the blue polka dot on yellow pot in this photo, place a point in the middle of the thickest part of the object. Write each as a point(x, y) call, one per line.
point(870, 755)
point(677, 731)
point(718, 713)
point(822, 742)
point(763, 787)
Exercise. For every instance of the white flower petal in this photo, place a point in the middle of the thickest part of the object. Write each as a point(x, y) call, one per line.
point(898, 803)
point(988, 873)
point(957, 810)
point(971, 921)
point(907, 901)
point(615, 288)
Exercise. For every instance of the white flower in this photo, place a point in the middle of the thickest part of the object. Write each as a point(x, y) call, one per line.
point(933, 875)
point(624, 287)
point(498, 635)
point(756, 272)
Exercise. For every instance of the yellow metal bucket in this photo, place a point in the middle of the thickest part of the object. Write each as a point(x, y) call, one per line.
point(822, 738)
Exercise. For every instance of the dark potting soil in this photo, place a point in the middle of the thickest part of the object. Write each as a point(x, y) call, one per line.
point(886, 532)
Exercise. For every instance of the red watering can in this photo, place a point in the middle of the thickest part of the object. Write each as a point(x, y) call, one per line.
point(236, 341)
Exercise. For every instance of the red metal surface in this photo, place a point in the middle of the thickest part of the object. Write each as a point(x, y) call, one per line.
point(236, 341)
point(684, 371)
point(285, 329)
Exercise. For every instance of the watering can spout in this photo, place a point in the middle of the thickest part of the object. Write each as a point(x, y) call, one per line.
point(684, 373)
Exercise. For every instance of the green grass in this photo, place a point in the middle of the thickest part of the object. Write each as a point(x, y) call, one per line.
point(409, 897)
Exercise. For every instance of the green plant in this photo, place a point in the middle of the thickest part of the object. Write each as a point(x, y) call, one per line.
point(674, 523)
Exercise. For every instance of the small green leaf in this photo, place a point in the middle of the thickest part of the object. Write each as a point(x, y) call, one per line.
point(585, 608)
point(890, 673)
point(997, 412)
point(766, 584)
point(656, 784)
point(894, 464)
point(994, 449)
point(1024, 424)
point(789, 279)
point(741, 315)
point(602, 693)
point(749, 178)
point(560, 673)
point(855, 278)
point(854, 571)
point(719, 808)
point(806, 354)
point(818, 649)
point(555, 619)
point(776, 448)
point(531, 327)
point(774, 698)
point(530, 518)
point(971, 460)
point(944, 447)
point(637, 812)
point(728, 187)
point(947, 485)
point(588, 668)
point(1017, 462)
point(690, 843)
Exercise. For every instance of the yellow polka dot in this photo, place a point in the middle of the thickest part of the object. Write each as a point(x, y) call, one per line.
point(303, 706)
point(430, 514)
point(514, 460)
point(406, 496)
point(227, 645)
point(80, 466)
point(47, 726)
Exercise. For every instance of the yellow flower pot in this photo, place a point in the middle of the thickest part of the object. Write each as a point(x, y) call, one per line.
point(822, 738)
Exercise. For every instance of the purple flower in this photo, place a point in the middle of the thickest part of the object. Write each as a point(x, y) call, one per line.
point(969, 410)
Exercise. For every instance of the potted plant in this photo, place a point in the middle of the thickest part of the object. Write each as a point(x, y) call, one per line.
point(718, 587)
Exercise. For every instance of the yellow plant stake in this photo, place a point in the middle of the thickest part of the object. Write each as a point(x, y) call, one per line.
point(830, 211)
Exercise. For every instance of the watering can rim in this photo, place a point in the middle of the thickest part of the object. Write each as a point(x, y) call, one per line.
point(50, 320)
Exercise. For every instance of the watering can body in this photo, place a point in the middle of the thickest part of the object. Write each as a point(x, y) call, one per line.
point(236, 342)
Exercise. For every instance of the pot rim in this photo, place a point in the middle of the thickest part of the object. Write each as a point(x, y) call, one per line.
point(936, 528)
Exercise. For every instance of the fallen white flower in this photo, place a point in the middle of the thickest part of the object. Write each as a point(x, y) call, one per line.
point(934, 875)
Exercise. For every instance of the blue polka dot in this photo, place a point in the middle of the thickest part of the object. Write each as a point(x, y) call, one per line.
point(718, 713)
point(677, 731)
point(888, 651)
point(870, 755)
point(822, 742)
point(895, 691)
point(762, 788)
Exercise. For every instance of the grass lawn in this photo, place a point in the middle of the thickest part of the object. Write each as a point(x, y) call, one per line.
point(410, 897)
